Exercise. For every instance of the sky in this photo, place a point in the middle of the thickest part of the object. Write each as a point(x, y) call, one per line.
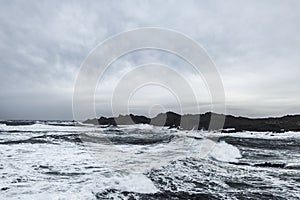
point(255, 46)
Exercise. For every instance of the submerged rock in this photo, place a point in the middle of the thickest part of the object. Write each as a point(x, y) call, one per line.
point(268, 164)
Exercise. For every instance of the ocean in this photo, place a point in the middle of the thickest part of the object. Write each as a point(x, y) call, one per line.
point(57, 160)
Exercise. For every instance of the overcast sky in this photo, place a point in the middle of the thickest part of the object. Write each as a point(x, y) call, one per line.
point(254, 44)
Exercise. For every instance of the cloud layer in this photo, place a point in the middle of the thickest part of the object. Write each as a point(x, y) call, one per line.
point(254, 44)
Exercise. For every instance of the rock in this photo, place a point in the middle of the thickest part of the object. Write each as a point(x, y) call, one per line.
point(4, 188)
point(202, 121)
point(91, 121)
point(268, 164)
point(170, 119)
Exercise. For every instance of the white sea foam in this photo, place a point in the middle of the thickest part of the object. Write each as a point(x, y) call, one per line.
point(261, 135)
point(138, 126)
point(225, 152)
point(133, 182)
point(57, 171)
point(45, 127)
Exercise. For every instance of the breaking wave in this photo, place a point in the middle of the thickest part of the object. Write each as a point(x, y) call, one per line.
point(145, 162)
point(225, 152)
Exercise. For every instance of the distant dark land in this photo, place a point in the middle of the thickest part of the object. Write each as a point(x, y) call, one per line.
point(202, 122)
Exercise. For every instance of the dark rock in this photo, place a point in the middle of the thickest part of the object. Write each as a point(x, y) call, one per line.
point(202, 121)
point(4, 188)
point(239, 163)
point(106, 121)
point(131, 119)
point(92, 121)
point(268, 164)
point(170, 119)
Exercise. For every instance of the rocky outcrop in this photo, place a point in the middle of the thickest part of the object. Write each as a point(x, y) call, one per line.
point(170, 119)
point(202, 121)
point(121, 120)
point(268, 164)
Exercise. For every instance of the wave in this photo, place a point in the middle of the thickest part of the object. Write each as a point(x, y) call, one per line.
point(130, 182)
point(261, 135)
point(294, 166)
point(28, 141)
point(32, 122)
point(225, 152)
point(146, 162)
point(45, 139)
point(37, 127)
point(142, 152)
point(264, 143)
point(131, 139)
point(119, 194)
point(58, 173)
point(17, 123)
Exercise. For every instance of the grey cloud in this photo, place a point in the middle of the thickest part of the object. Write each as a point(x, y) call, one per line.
point(255, 45)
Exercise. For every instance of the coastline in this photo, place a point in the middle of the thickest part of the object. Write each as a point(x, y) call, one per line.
point(202, 122)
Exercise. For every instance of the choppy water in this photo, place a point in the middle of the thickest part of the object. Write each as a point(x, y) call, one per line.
point(56, 160)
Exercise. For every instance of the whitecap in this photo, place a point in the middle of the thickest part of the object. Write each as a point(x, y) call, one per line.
point(225, 152)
